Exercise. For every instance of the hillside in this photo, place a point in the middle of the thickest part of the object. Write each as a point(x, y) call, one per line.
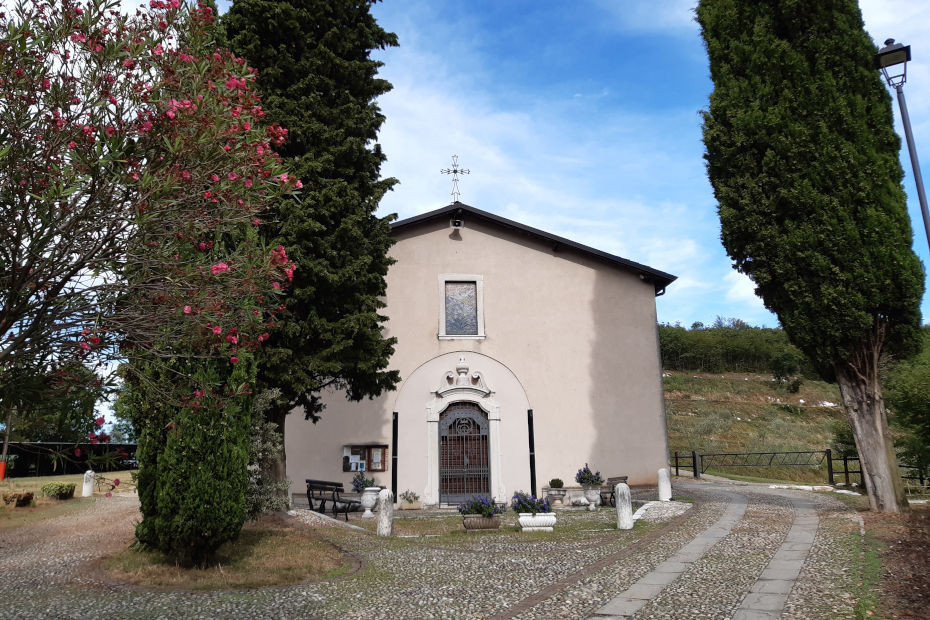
point(733, 412)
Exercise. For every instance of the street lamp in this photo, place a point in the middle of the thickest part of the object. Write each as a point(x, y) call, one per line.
point(887, 59)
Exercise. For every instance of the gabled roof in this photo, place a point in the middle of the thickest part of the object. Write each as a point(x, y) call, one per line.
point(659, 279)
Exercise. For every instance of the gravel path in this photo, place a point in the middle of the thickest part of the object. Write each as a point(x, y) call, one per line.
point(572, 572)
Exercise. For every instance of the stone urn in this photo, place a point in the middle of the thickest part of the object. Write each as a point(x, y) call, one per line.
point(368, 501)
point(475, 523)
point(556, 496)
point(539, 522)
point(592, 493)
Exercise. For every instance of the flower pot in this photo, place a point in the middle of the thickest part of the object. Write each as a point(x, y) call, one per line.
point(592, 493)
point(19, 499)
point(368, 501)
point(474, 523)
point(404, 505)
point(556, 496)
point(539, 522)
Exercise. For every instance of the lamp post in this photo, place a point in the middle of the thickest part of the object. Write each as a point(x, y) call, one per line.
point(887, 59)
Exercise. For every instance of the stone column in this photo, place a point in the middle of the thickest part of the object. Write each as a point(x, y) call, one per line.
point(665, 485)
point(88, 489)
point(624, 507)
point(385, 513)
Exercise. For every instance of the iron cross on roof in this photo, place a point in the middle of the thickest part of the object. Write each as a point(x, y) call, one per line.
point(455, 171)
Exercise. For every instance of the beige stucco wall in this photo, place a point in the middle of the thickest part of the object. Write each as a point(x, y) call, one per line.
point(567, 335)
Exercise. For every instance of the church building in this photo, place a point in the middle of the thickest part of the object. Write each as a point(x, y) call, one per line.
point(522, 356)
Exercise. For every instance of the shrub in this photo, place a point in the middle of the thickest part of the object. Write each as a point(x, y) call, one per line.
point(264, 493)
point(19, 499)
point(58, 490)
point(409, 496)
point(556, 483)
point(359, 482)
point(479, 505)
point(523, 502)
point(586, 477)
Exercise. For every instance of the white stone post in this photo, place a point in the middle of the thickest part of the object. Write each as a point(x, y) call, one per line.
point(385, 513)
point(665, 485)
point(88, 489)
point(624, 507)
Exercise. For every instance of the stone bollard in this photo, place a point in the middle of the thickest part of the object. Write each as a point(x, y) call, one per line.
point(665, 485)
point(88, 489)
point(385, 513)
point(624, 507)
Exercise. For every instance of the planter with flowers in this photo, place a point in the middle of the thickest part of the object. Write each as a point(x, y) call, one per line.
point(409, 500)
point(481, 513)
point(556, 492)
point(535, 514)
point(591, 483)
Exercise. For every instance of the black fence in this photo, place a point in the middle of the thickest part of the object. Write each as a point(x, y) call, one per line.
point(847, 467)
point(25, 459)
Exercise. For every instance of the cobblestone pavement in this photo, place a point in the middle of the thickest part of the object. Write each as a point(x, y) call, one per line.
point(572, 572)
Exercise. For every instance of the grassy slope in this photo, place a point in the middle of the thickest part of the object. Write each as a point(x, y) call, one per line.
point(730, 412)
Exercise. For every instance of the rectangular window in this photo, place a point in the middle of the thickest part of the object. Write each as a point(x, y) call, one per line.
point(461, 311)
point(364, 458)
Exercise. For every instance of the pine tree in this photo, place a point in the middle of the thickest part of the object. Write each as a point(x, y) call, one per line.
point(316, 78)
point(803, 159)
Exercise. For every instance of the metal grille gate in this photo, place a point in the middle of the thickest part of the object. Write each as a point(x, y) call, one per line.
point(463, 453)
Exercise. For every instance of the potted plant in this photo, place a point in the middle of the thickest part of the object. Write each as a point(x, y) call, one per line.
point(535, 514)
point(409, 500)
point(369, 490)
point(591, 483)
point(481, 513)
point(556, 492)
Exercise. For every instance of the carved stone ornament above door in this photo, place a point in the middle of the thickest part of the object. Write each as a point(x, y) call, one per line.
point(462, 382)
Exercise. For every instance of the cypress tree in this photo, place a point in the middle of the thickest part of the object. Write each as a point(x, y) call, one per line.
point(317, 79)
point(803, 159)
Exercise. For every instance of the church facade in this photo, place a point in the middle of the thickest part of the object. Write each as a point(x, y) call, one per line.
point(522, 357)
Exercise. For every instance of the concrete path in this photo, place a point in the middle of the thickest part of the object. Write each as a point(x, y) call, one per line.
point(766, 597)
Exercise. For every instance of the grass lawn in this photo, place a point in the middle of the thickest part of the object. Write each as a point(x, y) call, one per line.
point(268, 552)
point(47, 508)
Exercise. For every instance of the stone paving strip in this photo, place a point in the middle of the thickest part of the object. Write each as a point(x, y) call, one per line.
point(652, 583)
point(767, 597)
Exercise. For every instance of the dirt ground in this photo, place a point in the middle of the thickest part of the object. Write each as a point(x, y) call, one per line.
point(905, 556)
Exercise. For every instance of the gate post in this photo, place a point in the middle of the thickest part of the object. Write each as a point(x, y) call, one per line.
point(695, 462)
point(829, 454)
point(676, 463)
point(846, 468)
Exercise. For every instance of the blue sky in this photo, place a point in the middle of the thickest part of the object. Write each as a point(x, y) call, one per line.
point(583, 119)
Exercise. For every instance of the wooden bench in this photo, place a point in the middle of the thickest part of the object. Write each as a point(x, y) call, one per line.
point(607, 490)
point(323, 491)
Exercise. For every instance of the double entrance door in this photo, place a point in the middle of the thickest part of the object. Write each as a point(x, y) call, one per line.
point(464, 468)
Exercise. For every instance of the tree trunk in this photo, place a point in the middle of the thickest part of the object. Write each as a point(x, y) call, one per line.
point(6, 439)
point(865, 408)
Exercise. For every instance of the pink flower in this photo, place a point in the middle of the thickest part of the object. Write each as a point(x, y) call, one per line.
point(217, 330)
point(233, 176)
point(77, 452)
point(276, 285)
point(92, 435)
point(85, 346)
point(159, 50)
point(232, 339)
point(248, 182)
point(298, 184)
point(72, 144)
point(129, 63)
point(116, 482)
point(99, 421)
point(108, 494)
point(46, 84)
point(214, 178)
point(219, 268)
point(188, 309)
point(233, 360)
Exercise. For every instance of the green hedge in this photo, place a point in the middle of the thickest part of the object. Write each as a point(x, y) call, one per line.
point(58, 490)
